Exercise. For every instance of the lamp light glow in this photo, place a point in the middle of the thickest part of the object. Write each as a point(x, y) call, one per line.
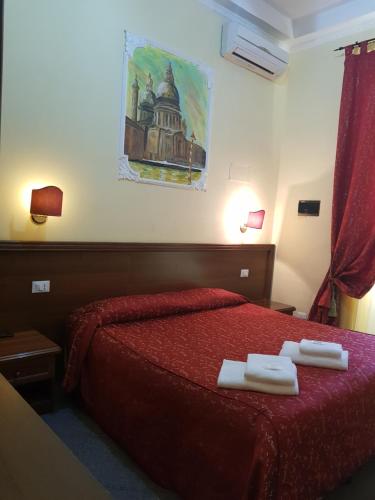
point(44, 202)
point(254, 221)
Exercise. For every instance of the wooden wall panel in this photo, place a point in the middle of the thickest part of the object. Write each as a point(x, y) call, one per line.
point(83, 272)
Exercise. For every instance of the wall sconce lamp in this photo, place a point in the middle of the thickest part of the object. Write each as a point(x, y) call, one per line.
point(45, 201)
point(254, 221)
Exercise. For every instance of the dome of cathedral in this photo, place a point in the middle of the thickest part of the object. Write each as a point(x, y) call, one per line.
point(167, 89)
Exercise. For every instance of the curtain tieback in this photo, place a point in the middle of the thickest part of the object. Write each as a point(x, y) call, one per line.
point(333, 304)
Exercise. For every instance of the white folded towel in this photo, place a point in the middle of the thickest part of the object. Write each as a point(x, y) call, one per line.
point(278, 370)
point(232, 376)
point(292, 350)
point(320, 348)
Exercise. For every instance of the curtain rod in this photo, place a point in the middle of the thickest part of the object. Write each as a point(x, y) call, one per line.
point(356, 44)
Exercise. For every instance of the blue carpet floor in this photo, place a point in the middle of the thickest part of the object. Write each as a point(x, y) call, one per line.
point(120, 476)
point(106, 462)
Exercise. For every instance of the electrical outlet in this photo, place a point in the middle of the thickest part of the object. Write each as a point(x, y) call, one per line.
point(40, 286)
point(244, 273)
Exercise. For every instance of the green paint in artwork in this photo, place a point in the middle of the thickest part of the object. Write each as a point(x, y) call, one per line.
point(163, 174)
point(190, 81)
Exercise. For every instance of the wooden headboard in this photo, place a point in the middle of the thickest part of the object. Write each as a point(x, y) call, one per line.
point(82, 272)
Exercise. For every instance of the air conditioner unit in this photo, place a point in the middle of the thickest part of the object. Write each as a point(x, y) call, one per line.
point(245, 48)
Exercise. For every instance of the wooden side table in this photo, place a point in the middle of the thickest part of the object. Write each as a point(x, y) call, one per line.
point(275, 306)
point(27, 360)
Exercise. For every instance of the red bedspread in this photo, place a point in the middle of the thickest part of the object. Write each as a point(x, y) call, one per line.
point(151, 384)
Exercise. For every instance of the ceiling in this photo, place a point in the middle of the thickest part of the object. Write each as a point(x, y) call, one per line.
point(300, 23)
point(300, 8)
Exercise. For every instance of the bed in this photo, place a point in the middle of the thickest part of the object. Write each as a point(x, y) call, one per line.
point(146, 368)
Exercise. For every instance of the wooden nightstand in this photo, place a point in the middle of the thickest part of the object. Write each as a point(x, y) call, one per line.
point(275, 306)
point(27, 360)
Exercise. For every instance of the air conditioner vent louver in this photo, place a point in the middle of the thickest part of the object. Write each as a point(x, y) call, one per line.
point(249, 50)
point(254, 64)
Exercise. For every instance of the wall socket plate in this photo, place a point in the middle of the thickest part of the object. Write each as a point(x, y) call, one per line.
point(40, 286)
point(244, 273)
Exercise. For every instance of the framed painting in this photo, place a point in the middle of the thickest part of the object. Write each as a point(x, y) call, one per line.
point(165, 117)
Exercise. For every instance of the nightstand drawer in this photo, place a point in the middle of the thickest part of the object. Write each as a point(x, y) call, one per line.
point(24, 370)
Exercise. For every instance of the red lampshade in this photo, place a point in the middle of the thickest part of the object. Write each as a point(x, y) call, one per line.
point(46, 201)
point(255, 219)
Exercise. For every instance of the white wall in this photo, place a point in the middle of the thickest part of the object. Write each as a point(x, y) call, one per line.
point(60, 125)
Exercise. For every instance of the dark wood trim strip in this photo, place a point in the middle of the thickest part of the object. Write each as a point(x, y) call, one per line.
point(33, 354)
point(74, 246)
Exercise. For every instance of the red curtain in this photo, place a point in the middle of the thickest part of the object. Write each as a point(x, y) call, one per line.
point(352, 269)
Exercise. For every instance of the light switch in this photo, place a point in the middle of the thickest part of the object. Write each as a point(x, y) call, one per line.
point(40, 286)
point(244, 273)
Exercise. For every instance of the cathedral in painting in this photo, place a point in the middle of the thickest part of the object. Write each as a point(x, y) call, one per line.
point(155, 131)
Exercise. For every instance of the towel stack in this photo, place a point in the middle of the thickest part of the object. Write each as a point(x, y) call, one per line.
point(261, 373)
point(316, 353)
point(278, 374)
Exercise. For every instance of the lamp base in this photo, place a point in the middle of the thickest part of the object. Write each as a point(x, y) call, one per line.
point(243, 228)
point(38, 219)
